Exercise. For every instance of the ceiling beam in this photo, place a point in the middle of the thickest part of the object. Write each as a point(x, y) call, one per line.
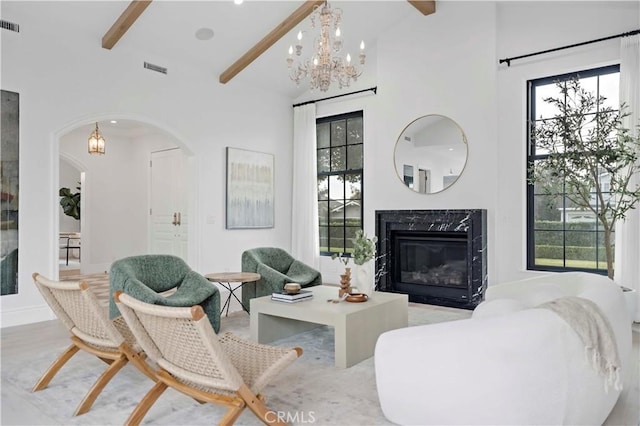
point(426, 7)
point(270, 39)
point(124, 22)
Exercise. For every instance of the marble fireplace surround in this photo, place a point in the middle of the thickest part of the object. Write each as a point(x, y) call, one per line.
point(466, 225)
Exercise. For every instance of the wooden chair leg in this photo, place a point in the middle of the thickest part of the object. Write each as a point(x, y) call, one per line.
point(256, 405)
point(55, 367)
point(231, 415)
point(99, 385)
point(145, 404)
point(139, 361)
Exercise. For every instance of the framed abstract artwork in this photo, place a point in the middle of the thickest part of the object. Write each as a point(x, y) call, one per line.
point(9, 173)
point(250, 189)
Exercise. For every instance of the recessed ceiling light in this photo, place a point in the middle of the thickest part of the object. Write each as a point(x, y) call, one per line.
point(204, 34)
point(238, 1)
point(113, 121)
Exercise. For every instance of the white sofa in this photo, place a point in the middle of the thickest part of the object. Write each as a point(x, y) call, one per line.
point(510, 363)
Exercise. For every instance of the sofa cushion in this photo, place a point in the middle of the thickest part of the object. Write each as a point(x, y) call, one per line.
point(497, 307)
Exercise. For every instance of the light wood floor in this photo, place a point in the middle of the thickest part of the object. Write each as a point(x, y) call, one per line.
point(21, 340)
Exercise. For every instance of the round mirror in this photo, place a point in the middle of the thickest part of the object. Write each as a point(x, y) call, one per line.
point(430, 154)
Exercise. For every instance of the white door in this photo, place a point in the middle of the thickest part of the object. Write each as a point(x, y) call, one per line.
point(169, 227)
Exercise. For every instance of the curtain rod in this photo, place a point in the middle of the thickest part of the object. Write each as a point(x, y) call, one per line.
point(374, 89)
point(627, 34)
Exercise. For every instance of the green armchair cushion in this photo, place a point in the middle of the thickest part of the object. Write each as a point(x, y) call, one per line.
point(144, 277)
point(276, 268)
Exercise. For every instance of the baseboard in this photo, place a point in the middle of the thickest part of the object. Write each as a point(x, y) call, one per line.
point(23, 316)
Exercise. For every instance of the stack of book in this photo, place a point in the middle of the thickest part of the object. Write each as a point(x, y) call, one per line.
point(283, 296)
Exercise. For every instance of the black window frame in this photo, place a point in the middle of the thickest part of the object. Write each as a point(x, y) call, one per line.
point(346, 251)
point(531, 156)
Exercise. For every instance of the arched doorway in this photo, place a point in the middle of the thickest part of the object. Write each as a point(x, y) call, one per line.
point(115, 209)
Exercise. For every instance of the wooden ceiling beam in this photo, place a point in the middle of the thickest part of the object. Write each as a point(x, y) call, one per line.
point(124, 22)
point(270, 39)
point(426, 7)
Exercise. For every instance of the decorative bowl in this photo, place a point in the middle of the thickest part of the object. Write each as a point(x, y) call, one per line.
point(292, 288)
point(357, 297)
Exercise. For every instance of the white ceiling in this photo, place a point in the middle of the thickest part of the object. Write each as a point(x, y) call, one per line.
point(165, 32)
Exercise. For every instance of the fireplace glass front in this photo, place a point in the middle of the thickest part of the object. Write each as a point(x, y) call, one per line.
point(439, 259)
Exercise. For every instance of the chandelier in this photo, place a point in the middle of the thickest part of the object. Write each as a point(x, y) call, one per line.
point(323, 67)
point(96, 142)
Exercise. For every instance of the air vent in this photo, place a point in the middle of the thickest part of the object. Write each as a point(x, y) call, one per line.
point(6, 25)
point(156, 68)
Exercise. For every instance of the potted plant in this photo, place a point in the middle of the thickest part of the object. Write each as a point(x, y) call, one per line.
point(592, 155)
point(70, 202)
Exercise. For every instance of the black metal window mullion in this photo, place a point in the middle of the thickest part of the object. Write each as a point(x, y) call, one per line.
point(341, 169)
point(532, 156)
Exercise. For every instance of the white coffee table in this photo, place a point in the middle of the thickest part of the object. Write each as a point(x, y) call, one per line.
point(356, 325)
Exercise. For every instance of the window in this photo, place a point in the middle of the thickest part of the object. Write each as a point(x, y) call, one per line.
point(561, 237)
point(340, 164)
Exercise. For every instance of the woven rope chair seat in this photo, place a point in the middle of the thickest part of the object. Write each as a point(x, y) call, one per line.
point(224, 369)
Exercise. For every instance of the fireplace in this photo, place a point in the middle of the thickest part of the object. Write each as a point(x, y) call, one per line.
point(435, 256)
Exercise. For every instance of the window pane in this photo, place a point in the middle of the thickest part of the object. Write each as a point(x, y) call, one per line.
point(354, 130)
point(580, 249)
point(610, 89)
point(322, 134)
point(323, 160)
point(351, 234)
point(545, 109)
point(336, 213)
point(323, 188)
point(338, 132)
point(354, 157)
point(354, 186)
point(547, 212)
point(549, 248)
point(324, 238)
point(323, 212)
point(336, 187)
point(338, 160)
point(336, 239)
point(590, 84)
point(542, 144)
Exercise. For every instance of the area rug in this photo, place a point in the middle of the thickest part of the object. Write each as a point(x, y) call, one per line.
point(311, 391)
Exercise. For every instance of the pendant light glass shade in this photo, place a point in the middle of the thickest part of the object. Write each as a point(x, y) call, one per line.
point(96, 142)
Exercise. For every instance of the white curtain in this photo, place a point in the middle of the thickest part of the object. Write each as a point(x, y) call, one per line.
point(627, 257)
point(304, 209)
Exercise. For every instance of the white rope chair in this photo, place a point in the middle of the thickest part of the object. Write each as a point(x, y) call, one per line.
point(196, 361)
point(75, 304)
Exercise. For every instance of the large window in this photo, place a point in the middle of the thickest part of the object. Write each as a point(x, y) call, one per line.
point(340, 163)
point(561, 236)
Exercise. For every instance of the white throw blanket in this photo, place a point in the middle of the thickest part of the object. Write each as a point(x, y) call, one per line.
point(601, 349)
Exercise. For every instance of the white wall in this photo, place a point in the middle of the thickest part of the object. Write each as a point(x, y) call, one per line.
point(527, 27)
point(446, 63)
point(66, 81)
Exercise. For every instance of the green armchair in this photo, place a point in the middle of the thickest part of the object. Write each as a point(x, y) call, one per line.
point(276, 268)
point(145, 277)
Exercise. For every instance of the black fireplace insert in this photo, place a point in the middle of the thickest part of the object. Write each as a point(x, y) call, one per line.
point(435, 256)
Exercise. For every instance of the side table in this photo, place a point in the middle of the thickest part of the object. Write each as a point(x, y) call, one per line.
point(226, 279)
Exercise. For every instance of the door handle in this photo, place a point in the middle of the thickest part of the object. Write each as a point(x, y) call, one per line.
point(179, 218)
point(175, 219)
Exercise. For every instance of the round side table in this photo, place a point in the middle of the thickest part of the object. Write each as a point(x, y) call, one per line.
point(227, 279)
